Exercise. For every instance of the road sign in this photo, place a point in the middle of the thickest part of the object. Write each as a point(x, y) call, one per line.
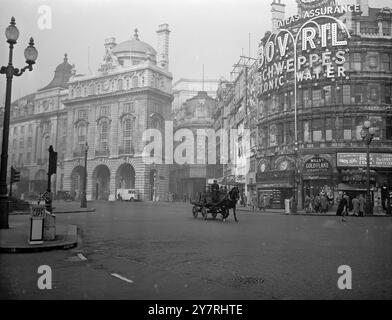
point(38, 211)
point(37, 224)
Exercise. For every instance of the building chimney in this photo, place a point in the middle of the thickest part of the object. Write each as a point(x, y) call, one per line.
point(278, 13)
point(163, 46)
point(364, 7)
point(110, 43)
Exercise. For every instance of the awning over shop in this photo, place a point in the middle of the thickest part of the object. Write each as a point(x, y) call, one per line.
point(275, 186)
point(351, 187)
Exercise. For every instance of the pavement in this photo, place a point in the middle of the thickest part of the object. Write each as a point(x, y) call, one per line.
point(159, 251)
point(330, 213)
point(16, 238)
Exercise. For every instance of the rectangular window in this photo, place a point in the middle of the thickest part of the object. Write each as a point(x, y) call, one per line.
point(306, 131)
point(388, 128)
point(327, 95)
point(29, 142)
point(280, 134)
point(28, 158)
point(306, 97)
point(318, 129)
point(82, 114)
point(329, 129)
point(291, 99)
point(386, 62)
point(317, 98)
point(289, 132)
point(20, 159)
point(356, 61)
point(388, 94)
point(129, 107)
point(30, 128)
point(104, 111)
point(346, 94)
point(21, 143)
point(347, 128)
point(273, 132)
point(22, 130)
point(358, 93)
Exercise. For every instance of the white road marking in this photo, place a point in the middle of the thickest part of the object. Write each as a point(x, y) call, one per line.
point(121, 277)
point(82, 257)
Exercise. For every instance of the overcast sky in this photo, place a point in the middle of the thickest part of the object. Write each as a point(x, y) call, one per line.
point(209, 32)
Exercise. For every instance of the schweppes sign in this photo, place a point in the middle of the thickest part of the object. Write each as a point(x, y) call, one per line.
point(313, 4)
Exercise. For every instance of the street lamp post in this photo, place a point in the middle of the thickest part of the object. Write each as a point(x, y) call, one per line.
point(294, 205)
point(31, 54)
point(83, 201)
point(367, 135)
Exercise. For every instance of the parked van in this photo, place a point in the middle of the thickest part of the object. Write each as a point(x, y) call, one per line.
point(127, 195)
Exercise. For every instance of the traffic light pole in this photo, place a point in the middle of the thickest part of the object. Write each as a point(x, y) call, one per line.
point(51, 170)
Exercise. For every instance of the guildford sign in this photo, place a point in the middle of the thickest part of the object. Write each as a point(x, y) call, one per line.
point(314, 50)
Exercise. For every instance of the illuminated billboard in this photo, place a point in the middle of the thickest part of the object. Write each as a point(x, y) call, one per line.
point(314, 49)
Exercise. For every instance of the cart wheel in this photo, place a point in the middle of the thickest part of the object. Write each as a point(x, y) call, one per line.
point(195, 211)
point(214, 214)
point(204, 213)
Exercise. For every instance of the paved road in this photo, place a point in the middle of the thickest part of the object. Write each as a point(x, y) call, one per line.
point(165, 253)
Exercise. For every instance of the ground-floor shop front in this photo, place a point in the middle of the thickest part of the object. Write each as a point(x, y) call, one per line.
point(328, 175)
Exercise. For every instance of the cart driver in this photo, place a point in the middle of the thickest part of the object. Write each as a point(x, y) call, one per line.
point(215, 191)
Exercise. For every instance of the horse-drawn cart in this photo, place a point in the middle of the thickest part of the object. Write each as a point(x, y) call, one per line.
point(205, 205)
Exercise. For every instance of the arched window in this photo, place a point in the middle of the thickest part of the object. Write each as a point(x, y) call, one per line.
point(82, 135)
point(45, 147)
point(156, 123)
point(91, 89)
point(127, 135)
point(128, 83)
point(135, 82)
point(119, 84)
point(103, 136)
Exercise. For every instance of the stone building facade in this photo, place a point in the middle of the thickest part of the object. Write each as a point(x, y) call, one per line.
point(190, 178)
point(110, 111)
point(37, 121)
point(330, 111)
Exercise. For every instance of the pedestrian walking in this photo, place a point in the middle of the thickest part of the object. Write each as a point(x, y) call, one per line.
point(263, 202)
point(308, 204)
point(362, 202)
point(347, 197)
point(356, 206)
point(254, 201)
point(342, 208)
point(323, 203)
point(317, 204)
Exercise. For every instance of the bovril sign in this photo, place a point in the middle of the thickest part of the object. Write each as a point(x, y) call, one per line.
point(317, 165)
